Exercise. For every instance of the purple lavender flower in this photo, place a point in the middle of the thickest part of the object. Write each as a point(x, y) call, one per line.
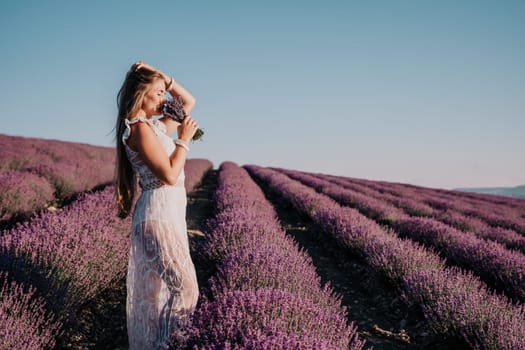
point(227, 320)
point(174, 109)
point(24, 321)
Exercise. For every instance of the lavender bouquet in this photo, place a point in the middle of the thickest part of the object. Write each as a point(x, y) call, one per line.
point(173, 109)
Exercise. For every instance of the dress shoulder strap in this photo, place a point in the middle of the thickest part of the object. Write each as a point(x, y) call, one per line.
point(128, 122)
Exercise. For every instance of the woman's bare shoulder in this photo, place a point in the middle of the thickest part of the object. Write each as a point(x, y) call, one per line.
point(138, 132)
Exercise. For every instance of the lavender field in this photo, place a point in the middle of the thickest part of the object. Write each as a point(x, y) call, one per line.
point(285, 259)
point(36, 174)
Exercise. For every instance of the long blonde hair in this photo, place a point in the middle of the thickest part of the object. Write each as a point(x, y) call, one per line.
point(129, 102)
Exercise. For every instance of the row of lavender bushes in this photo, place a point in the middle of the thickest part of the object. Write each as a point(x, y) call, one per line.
point(507, 205)
point(414, 206)
point(504, 212)
point(424, 205)
point(499, 267)
point(455, 303)
point(67, 256)
point(265, 293)
point(194, 171)
point(53, 264)
point(36, 172)
point(495, 211)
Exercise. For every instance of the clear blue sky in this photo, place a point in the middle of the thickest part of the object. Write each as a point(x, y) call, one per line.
point(424, 92)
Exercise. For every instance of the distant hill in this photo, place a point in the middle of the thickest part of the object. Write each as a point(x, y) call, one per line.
point(517, 192)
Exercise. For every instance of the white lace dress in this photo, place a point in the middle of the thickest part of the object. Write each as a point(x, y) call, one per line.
point(162, 288)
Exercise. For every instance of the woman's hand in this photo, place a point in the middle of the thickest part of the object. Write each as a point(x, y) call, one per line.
point(187, 129)
point(141, 65)
point(172, 87)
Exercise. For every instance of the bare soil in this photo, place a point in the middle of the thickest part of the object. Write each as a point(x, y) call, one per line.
point(200, 209)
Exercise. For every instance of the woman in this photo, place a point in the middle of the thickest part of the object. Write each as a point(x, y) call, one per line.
point(162, 288)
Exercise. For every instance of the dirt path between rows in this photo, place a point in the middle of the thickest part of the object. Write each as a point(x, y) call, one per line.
point(200, 209)
point(382, 318)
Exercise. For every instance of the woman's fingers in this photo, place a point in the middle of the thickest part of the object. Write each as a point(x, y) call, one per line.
point(191, 122)
point(140, 64)
point(188, 127)
point(136, 65)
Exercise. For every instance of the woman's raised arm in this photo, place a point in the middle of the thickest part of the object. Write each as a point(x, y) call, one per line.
point(175, 90)
point(188, 102)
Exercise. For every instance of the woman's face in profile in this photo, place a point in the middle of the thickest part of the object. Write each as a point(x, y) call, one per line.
point(154, 98)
